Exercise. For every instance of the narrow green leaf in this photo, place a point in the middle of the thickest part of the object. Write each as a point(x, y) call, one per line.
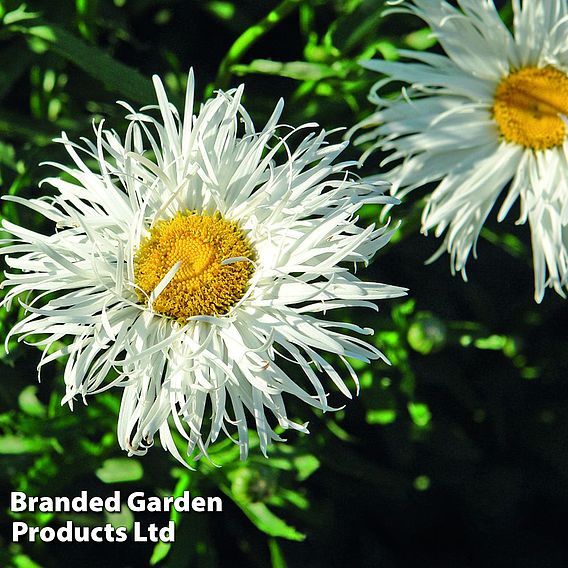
point(117, 470)
point(265, 520)
point(300, 70)
point(249, 37)
point(14, 61)
point(23, 561)
point(421, 40)
point(352, 28)
point(381, 416)
point(222, 10)
point(12, 445)
point(29, 402)
point(8, 156)
point(117, 77)
point(276, 556)
point(306, 465)
point(124, 518)
point(38, 132)
point(19, 15)
point(161, 550)
point(491, 343)
point(297, 499)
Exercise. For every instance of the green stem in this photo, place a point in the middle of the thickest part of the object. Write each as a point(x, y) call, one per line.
point(249, 37)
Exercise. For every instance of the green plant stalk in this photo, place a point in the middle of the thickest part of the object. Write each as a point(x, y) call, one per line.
point(249, 37)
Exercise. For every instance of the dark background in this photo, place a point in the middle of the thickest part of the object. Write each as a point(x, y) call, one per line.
point(455, 456)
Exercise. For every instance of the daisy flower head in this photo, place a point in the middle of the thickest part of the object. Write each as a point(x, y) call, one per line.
point(485, 119)
point(198, 257)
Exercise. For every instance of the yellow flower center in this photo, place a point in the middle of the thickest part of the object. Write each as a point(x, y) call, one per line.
point(203, 284)
point(528, 104)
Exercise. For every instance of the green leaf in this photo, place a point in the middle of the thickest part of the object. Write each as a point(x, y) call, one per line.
point(421, 39)
point(29, 402)
point(420, 414)
point(249, 37)
point(223, 10)
point(117, 77)
point(387, 49)
point(8, 156)
point(23, 561)
point(491, 343)
point(19, 15)
point(118, 470)
point(509, 243)
point(14, 61)
point(297, 499)
point(161, 550)
point(12, 444)
point(300, 70)
point(38, 132)
point(276, 556)
point(381, 416)
point(352, 28)
point(265, 520)
point(124, 518)
point(306, 465)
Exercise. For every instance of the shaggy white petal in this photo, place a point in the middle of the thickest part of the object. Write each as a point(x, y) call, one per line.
point(297, 205)
point(443, 130)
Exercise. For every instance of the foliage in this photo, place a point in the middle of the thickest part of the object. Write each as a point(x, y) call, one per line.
point(453, 456)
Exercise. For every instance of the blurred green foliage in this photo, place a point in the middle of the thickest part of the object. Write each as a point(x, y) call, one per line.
point(456, 455)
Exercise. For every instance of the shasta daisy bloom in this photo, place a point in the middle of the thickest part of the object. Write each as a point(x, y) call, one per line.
point(486, 118)
point(198, 257)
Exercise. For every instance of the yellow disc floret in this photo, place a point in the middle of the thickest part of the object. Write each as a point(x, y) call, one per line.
point(528, 107)
point(202, 284)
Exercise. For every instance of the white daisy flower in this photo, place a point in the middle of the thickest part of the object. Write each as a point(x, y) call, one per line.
point(188, 273)
point(489, 115)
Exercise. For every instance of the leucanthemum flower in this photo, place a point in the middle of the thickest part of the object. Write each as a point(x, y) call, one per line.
point(488, 116)
point(197, 259)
